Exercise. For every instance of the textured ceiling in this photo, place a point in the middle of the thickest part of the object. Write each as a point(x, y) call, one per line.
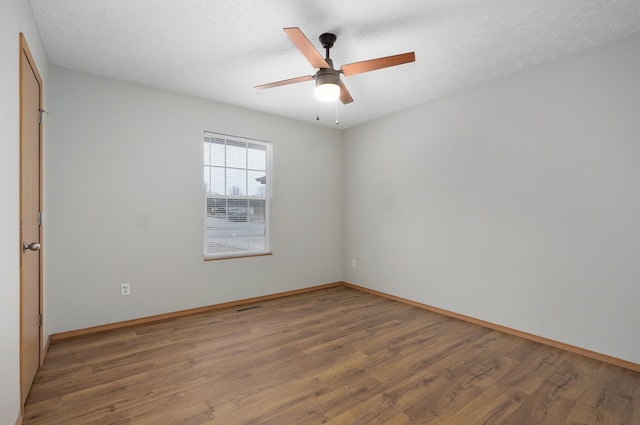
point(220, 49)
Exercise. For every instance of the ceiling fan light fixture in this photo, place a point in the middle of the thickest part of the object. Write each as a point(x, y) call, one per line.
point(327, 87)
point(327, 92)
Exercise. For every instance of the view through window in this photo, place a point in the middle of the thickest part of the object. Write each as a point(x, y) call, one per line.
point(237, 188)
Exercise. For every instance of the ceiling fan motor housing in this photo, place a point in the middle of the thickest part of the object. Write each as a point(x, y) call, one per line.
point(327, 76)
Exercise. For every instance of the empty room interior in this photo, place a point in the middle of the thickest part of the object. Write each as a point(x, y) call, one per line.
point(453, 238)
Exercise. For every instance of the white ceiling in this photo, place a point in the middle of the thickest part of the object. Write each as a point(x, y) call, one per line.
point(221, 49)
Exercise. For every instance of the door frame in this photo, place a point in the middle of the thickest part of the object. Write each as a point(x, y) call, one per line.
point(25, 54)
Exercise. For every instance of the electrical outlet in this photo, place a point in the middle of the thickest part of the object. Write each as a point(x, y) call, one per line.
point(125, 289)
point(353, 263)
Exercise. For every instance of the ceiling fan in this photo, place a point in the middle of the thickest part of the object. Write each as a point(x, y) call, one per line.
point(329, 87)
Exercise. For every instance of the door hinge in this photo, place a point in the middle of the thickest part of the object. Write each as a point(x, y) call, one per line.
point(41, 112)
point(40, 320)
point(39, 218)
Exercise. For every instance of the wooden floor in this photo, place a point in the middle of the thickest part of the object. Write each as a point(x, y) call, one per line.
point(334, 356)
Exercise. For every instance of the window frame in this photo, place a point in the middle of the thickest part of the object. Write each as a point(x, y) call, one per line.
point(210, 255)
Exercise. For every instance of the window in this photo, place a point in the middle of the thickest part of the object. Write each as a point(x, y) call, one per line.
point(237, 188)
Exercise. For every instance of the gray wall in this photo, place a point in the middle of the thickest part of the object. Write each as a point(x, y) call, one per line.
point(126, 193)
point(16, 17)
point(516, 202)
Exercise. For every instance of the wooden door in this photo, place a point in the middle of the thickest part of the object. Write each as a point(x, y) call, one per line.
point(30, 229)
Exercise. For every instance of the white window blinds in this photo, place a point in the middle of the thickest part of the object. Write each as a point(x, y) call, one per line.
point(237, 188)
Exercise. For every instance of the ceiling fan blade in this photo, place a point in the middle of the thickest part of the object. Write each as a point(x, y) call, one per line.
point(302, 42)
point(373, 64)
point(345, 96)
point(285, 82)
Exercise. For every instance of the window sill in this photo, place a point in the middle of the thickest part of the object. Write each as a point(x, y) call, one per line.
point(231, 257)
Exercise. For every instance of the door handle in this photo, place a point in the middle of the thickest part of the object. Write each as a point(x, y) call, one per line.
point(33, 246)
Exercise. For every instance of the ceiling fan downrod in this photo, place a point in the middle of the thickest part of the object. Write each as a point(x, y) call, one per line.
point(327, 39)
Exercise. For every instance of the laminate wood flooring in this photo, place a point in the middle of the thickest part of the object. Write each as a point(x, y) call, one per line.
point(332, 356)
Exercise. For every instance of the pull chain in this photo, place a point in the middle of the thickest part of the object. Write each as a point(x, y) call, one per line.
point(318, 113)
